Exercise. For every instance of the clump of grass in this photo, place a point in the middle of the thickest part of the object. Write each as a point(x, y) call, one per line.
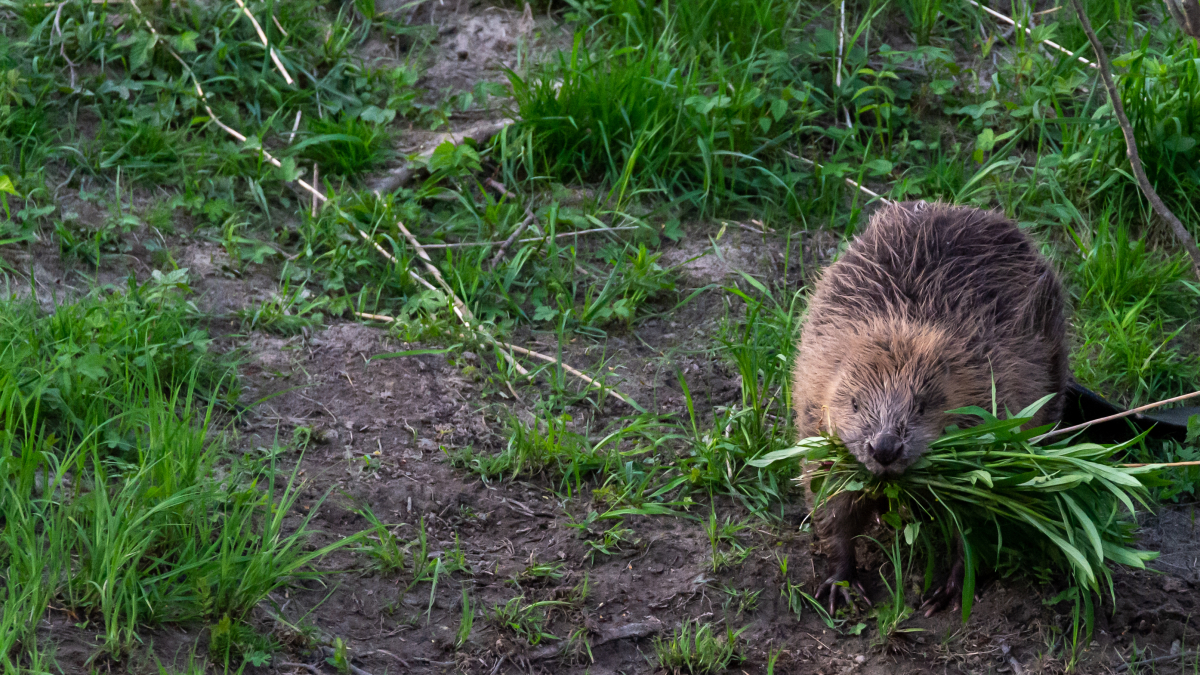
point(466, 621)
point(697, 648)
point(527, 621)
point(893, 611)
point(289, 311)
point(111, 500)
point(1133, 304)
point(922, 16)
point(638, 109)
point(1065, 502)
point(345, 145)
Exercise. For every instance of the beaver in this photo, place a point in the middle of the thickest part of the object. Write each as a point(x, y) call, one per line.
point(926, 311)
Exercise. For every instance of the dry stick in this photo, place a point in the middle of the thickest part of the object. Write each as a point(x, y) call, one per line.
point(530, 217)
point(295, 128)
point(1171, 657)
point(305, 666)
point(1161, 465)
point(460, 309)
point(465, 315)
point(437, 274)
point(389, 319)
point(1127, 413)
point(315, 182)
point(1181, 233)
point(573, 371)
point(561, 235)
point(1029, 31)
point(285, 33)
point(838, 74)
point(849, 181)
point(62, 45)
point(266, 45)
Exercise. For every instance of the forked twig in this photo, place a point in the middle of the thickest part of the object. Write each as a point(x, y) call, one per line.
point(62, 44)
point(1135, 160)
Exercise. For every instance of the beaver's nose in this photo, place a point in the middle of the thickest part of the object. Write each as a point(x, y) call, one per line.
point(886, 448)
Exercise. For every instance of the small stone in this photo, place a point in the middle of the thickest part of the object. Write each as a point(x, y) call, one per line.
point(1175, 585)
point(860, 659)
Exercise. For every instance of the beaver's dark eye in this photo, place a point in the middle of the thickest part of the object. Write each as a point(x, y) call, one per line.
point(854, 404)
point(921, 408)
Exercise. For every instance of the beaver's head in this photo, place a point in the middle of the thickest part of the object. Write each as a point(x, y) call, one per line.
point(894, 384)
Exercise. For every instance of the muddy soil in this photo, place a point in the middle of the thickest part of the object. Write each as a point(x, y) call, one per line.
point(384, 430)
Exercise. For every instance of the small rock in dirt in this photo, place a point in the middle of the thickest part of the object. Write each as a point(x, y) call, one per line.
point(470, 357)
point(1175, 585)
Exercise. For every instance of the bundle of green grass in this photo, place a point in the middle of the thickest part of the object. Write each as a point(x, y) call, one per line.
point(1066, 506)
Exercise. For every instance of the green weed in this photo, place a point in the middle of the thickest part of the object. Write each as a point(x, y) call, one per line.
point(345, 145)
point(722, 538)
point(290, 310)
point(697, 648)
point(923, 17)
point(382, 545)
point(527, 621)
point(739, 601)
point(894, 611)
point(466, 621)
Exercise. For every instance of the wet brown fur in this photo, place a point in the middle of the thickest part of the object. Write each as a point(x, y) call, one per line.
point(929, 306)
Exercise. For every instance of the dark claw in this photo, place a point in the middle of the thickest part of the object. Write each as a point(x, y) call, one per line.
point(943, 596)
point(836, 591)
point(862, 593)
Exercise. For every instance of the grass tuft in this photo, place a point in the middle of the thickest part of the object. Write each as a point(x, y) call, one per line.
point(698, 648)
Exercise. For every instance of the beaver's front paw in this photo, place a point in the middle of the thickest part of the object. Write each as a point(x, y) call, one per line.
point(838, 586)
point(949, 594)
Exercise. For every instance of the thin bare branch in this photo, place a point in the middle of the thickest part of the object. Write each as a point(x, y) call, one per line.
point(1029, 31)
point(530, 218)
point(1177, 227)
point(530, 240)
point(849, 181)
point(1127, 413)
point(266, 44)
